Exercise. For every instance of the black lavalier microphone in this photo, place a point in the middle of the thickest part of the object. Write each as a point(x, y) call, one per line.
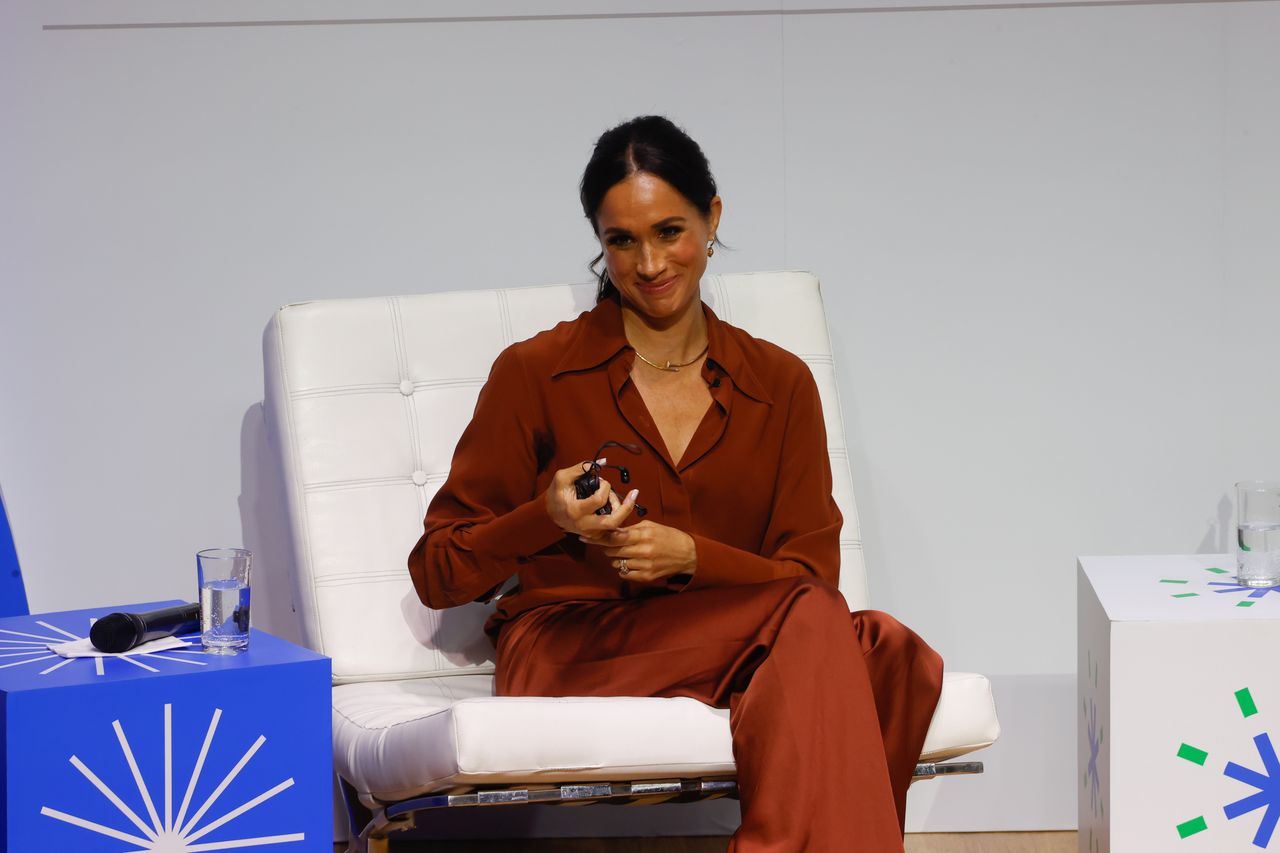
point(119, 632)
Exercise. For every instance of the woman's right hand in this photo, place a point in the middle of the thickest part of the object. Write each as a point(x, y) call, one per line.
point(579, 516)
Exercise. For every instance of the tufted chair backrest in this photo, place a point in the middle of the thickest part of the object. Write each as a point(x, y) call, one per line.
point(365, 401)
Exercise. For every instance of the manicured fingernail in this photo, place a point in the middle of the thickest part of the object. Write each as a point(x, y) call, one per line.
point(601, 461)
point(633, 494)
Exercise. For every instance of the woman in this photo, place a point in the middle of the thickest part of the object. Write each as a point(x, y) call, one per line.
point(726, 590)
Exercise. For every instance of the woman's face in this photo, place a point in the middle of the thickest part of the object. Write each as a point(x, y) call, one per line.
point(655, 245)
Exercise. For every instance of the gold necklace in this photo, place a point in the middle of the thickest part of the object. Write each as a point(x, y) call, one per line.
point(674, 368)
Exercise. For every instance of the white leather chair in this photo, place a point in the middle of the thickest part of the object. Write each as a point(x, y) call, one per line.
point(365, 400)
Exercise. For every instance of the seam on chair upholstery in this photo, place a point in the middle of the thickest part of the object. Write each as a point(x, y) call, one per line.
point(466, 382)
point(722, 297)
point(339, 486)
point(299, 501)
point(411, 423)
point(815, 358)
point(814, 283)
point(411, 410)
point(429, 384)
point(349, 579)
point(342, 485)
point(344, 390)
point(520, 771)
point(446, 688)
point(390, 726)
point(411, 675)
point(343, 578)
point(397, 337)
point(389, 574)
point(457, 752)
point(402, 373)
point(504, 311)
point(384, 387)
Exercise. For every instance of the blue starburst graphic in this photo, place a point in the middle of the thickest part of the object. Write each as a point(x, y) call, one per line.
point(1268, 785)
point(1235, 586)
point(1092, 779)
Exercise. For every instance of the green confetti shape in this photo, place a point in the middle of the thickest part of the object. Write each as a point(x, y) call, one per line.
point(1168, 580)
point(1192, 754)
point(1217, 571)
point(1245, 700)
point(1185, 595)
point(1191, 827)
point(1244, 604)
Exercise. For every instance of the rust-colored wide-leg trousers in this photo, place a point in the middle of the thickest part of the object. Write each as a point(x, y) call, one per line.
point(828, 709)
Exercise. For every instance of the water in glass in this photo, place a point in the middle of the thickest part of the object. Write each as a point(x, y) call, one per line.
point(224, 615)
point(1259, 563)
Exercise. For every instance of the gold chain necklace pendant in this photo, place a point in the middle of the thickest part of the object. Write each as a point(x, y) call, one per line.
point(672, 368)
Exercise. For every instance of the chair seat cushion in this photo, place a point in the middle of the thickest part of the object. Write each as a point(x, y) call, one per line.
point(398, 739)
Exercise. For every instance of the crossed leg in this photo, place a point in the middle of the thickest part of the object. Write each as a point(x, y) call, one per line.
point(828, 709)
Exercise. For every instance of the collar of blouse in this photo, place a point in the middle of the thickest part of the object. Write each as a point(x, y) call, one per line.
point(600, 337)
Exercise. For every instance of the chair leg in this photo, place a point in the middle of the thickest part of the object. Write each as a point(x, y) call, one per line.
point(369, 845)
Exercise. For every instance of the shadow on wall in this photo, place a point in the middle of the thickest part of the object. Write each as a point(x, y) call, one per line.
point(1217, 538)
point(264, 522)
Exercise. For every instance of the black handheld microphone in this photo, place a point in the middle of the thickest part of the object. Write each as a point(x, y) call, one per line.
point(119, 632)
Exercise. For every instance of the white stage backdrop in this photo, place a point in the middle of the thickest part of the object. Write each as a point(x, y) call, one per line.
point(1046, 236)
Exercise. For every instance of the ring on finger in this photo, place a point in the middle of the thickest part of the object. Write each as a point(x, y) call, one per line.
point(622, 567)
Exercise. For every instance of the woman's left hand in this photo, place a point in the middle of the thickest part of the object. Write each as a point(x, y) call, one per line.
point(648, 551)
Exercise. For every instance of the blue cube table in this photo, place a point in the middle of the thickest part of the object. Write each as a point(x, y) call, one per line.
point(173, 752)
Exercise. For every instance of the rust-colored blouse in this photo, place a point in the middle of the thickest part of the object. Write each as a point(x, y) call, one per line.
point(753, 487)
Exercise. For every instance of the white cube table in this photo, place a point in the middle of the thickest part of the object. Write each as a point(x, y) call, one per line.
point(1179, 694)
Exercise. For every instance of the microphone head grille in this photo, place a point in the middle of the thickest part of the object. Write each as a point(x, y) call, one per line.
point(114, 634)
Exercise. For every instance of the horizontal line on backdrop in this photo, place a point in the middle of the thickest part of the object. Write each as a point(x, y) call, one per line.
point(623, 16)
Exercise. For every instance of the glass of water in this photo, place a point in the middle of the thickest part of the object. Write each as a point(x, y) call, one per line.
point(224, 599)
point(1258, 533)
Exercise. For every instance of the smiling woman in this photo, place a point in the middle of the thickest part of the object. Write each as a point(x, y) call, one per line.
point(656, 247)
point(727, 591)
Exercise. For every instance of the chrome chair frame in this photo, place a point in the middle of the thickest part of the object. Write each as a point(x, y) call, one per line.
point(371, 828)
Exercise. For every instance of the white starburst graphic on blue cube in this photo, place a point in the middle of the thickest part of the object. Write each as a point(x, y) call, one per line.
point(27, 648)
point(171, 825)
